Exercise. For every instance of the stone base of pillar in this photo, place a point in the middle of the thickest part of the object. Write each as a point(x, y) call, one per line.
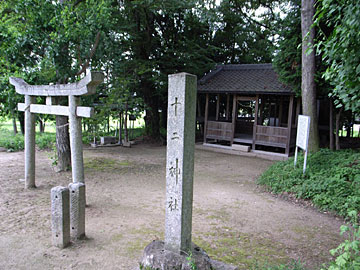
point(157, 257)
point(77, 210)
point(60, 217)
point(126, 144)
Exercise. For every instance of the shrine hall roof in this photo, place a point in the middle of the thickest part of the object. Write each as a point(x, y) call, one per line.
point(243, 79)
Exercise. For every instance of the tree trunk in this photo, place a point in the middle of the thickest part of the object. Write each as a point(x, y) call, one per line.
point(14, 125)
point(152, 117)
point(22, 123)
point(120, 127)
point(164, 116)
point(126, 134)
point(331, 126)
point(63, 143)
point(348, 127)
point(152, 124)
point(41, 125)
point(308, 89)
point(337, 128)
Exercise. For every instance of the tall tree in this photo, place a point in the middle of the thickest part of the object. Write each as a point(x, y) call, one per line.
point(164, 37)
point(161, 37)
point(308, 87)
point(11, 59)
point(287, 57)
point(340, 48)
point(244, 31)
point(141, 41)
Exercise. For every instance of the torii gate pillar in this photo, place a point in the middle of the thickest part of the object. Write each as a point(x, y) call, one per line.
point(77, 162)
point(29, 143)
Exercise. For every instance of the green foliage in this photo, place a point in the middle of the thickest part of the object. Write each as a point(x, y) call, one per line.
point(191, 262)
point(9, 57)
point(16, 143)
point(348, 252)
point(45, 140)
point(331, 181)
point(53, 156)
point(287, 59)
point(11, 142)
point(244, 33)
point(340, 50)
point(135, 43)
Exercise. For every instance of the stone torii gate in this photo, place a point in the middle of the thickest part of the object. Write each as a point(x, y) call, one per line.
point(86, 86)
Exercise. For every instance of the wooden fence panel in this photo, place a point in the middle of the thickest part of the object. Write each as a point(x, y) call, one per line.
point(271, 136)
point(219, 130)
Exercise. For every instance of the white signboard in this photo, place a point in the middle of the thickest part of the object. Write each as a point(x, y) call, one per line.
point(302, 137)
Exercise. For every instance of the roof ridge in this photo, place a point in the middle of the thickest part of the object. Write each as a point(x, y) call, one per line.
point(247, 66)
point(243, 78)
point(211, 74)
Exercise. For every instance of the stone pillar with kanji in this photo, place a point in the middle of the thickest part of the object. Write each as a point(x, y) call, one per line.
point(180, 162)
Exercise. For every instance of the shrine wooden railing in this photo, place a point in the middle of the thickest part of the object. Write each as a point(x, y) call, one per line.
point(272, 136)
point(265, 135)
point(219, 130)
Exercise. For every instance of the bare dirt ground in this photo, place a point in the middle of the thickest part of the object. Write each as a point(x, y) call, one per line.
point(233, 219)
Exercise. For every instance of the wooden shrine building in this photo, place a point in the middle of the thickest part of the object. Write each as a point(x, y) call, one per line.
point(247, 105)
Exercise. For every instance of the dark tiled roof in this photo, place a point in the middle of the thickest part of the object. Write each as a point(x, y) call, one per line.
point(246, 79)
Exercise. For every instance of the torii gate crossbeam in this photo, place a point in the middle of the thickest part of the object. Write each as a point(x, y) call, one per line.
point(86, 86)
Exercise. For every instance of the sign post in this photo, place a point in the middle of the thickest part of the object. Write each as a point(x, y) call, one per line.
point(302, 137)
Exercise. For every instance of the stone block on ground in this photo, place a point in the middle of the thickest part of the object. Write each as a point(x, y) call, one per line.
point(239, 147)
point(156, 256)
point(60, 216)
point(126, 144)
point(108, 140)
point(217, 265)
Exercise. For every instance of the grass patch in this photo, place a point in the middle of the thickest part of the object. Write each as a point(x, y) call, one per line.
point(331, 181)
point(105, 164)
point(219, 215)
point(47, 139)
point(293, 265)
point(141, 237)
point(243, 250)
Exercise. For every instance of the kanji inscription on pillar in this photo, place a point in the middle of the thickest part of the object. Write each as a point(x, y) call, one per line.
point(180, 161)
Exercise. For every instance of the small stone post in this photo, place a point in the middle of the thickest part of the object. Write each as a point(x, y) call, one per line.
point(77, 163)
point(60, 217)
point(77, 210)
point(180, 162)
point(29, 143)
